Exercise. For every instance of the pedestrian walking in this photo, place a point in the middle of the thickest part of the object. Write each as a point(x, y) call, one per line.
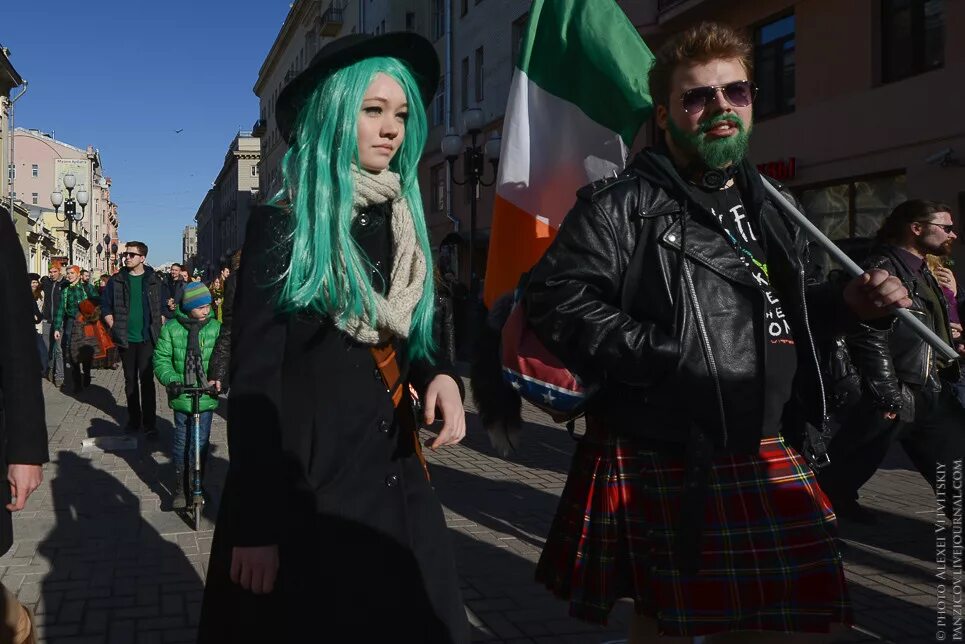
point(52, 286)
point(332, 321)
point(23, 430)
point(70, 298)
point(221, 358)
point(38, 297)
point(182, 359)
point(134, 301)
point(941, 268)
point(686, 493)
point(89, 341)
point(175, 285)
point(217, 292)
point(910, 392)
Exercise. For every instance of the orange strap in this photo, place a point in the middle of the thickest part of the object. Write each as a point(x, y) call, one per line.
point(385, 360)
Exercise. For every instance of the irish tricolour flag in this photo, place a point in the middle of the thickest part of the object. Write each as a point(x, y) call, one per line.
point(578, 98)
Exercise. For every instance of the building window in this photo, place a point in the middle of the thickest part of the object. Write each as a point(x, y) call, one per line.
point(465, 8)
point(465, 85)
point(438, 19)
point(34, 198)
point(854, 208)
point(519, 30)
point(254, 170)
point(439, 188)
point(774, 67)
point(912, 37)
point(410, 20)
point(35, 170)
point(479, 75)
point(11, 171)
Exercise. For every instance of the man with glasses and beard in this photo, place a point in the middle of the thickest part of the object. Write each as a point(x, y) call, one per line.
point(689, 492)
point(908, 390)
point(133, 303)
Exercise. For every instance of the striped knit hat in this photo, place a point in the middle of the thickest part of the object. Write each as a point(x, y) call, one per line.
point(194, 295)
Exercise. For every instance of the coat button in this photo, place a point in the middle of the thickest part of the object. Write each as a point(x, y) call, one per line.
point(384, 426)
point(391, 480)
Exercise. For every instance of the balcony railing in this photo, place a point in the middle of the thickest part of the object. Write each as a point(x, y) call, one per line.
point(332, 19)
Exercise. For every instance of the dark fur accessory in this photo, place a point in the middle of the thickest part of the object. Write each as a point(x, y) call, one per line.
point(498, 404)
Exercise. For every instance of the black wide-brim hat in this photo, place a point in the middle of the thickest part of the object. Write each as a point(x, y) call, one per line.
point(412, 49)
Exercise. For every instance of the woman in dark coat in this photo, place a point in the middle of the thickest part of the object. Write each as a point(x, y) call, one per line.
point(329, 529)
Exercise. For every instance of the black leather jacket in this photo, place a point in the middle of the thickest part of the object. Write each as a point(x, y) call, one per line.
point(687, 354)
point(888, 360)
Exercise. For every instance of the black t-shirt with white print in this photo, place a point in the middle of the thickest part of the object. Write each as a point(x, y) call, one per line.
point(780, 355)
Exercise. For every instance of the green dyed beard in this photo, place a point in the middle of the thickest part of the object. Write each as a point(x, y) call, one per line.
point(713, 153)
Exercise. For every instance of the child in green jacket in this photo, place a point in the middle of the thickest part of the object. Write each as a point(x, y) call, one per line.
point(181, 360)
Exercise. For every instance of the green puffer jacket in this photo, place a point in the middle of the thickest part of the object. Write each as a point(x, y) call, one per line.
point(170, 355)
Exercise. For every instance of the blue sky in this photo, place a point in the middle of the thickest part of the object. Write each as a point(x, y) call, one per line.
point(123, 76)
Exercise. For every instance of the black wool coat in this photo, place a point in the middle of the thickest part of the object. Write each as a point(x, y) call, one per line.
point(320, 466)
point(23, 428)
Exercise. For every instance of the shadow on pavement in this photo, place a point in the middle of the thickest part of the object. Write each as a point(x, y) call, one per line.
point(103, 400)
point(543, 446)
point(109, 565)
point(896, 533)
point(497, 570)
point(158, 473)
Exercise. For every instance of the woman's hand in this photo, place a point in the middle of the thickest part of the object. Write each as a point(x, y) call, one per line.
point(255, 568)
point(946, 278)
point(443, 394)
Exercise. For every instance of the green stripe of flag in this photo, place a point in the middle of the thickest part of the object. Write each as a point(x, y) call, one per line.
point(588, 53)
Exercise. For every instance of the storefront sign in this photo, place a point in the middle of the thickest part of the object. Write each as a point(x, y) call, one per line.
point(782, 170)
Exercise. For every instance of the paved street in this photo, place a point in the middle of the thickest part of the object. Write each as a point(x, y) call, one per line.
point(100, 558)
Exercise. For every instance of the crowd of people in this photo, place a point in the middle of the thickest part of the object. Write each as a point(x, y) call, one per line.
point(137, 318)
point(744, 397)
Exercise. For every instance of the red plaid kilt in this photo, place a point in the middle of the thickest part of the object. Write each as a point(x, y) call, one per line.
point(768, 563)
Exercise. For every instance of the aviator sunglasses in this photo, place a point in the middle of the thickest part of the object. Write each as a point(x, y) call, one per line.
point(739, 94)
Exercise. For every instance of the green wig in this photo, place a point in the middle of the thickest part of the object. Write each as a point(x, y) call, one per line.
point(328, 272)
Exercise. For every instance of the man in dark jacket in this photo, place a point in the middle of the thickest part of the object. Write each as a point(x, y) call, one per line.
point(23, 430)
point(909, 391)
point(174, 281)
point(133, 303)
point(703, 341)
point(52, 285)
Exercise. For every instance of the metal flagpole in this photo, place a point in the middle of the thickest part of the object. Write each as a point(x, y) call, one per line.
point(856, 271)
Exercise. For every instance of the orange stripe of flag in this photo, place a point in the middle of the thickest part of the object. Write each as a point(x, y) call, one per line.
point(517, 240)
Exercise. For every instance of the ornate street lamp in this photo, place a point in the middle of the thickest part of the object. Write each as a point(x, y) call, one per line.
point(70, 210)
point(474, 157)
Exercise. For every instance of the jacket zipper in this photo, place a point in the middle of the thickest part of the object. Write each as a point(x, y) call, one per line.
point(814, 353)
point(698, 314)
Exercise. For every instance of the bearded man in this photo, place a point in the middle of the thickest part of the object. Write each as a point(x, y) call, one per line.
point(909, 390)
point(686, 493)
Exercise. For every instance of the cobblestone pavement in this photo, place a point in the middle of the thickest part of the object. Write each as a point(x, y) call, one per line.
point(100, 556)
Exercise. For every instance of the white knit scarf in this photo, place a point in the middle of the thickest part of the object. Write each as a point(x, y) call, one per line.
point(393, 313)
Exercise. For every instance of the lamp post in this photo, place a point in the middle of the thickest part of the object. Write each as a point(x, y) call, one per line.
point(474, 156)
point(70, 210)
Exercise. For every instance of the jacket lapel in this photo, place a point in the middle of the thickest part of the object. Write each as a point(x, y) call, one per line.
point(708, 247)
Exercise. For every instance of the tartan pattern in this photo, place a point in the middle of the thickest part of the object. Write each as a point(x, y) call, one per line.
point(769, 561)
point(70, 299)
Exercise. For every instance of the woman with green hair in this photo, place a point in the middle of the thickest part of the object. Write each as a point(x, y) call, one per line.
point(328, 525)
